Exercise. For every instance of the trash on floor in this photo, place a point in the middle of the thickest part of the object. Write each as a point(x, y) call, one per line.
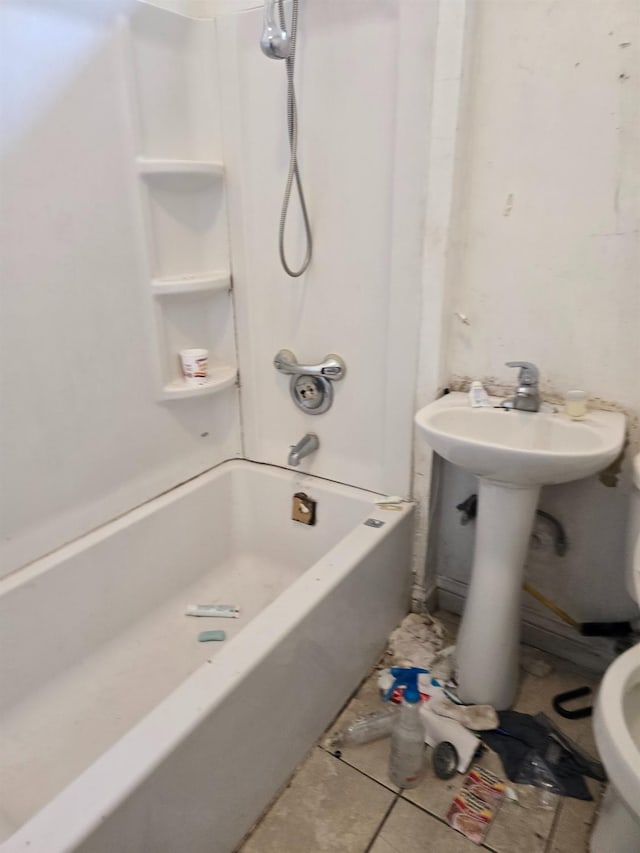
point(445, 760)
point(535, 753)
point(443, 701)
point(365, 729)
point(444, 730)
point(438, 729)
point(578, 713)
point(428, 686)
point(511, 794)
point(406, 756)
point(535, 797)
point(475, 717)
point(419, 641)
point(595, 769)
point(476, 804)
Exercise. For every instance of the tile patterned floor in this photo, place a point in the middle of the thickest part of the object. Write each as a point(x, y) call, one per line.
point(348, 804)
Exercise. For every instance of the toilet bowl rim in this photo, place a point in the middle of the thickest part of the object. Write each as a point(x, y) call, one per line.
point(619, 753)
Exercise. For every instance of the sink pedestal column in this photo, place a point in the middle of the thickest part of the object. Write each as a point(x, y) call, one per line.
point(489, 637)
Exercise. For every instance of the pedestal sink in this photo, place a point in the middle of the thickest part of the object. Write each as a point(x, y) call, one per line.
point(513, 454)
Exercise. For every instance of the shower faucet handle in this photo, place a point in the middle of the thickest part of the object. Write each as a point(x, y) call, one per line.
point(331, 367)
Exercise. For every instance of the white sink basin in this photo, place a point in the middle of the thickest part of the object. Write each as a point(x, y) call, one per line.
point(521, 448)
point(513, 454)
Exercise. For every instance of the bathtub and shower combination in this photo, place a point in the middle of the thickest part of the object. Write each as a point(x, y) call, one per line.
point(122, 732)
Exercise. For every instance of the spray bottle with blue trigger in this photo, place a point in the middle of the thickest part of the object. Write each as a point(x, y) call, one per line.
point(406, 759)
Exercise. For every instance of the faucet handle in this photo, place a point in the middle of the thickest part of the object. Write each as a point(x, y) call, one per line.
point(529, 373)
point(331, 367)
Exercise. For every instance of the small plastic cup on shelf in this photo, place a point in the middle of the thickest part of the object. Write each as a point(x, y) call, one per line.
point(195, 365)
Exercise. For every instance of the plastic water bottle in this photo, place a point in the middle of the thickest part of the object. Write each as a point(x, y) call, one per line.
point(373, 726)
point(406, 760)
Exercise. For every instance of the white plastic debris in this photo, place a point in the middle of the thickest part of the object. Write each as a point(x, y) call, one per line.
point(475, 717)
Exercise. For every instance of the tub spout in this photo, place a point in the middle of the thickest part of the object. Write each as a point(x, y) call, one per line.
point(303, 448)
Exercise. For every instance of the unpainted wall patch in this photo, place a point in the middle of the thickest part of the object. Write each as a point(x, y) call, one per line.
point(493, 385)
point(610, 477)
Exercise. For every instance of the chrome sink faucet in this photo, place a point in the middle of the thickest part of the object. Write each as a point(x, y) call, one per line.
point(527, 396)
point(307, 445)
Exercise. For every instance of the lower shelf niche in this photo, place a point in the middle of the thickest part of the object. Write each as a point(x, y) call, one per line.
point(220, 377)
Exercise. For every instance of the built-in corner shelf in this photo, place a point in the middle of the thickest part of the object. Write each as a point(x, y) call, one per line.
point(209, 169)
point(181, 185)
point(182, 285)
point(219, 378)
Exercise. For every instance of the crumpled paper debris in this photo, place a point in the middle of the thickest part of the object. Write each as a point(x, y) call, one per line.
point(420, 640)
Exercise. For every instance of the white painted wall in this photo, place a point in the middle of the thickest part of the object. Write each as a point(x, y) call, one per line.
point(363, 74)
point(83, 437)
point(546, 257)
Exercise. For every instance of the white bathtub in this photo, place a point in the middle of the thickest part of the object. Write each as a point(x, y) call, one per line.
point(119, 731)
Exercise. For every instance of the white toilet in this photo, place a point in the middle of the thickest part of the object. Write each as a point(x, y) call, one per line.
point(616, 723)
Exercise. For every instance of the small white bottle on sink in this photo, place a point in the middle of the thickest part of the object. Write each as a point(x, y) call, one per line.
point(478, 396)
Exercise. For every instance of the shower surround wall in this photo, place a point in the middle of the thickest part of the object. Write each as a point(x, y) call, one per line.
point(89, 235)
point(125, 196)
point(361, 68)
point(543, 259)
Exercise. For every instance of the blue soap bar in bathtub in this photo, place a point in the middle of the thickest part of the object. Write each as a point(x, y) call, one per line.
point(209, 636)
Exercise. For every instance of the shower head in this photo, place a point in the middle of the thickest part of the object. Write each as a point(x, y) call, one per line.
point(279, 42)
point(275, 41)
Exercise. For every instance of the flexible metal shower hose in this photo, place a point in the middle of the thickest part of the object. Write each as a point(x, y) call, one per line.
point(294, 174)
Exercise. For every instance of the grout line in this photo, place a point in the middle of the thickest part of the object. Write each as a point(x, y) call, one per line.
point(382, 822)
point(358, 770)
point(597, 803)
point(441, 820)
point(426, 811)
point(486, 846)
point(554, 826)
